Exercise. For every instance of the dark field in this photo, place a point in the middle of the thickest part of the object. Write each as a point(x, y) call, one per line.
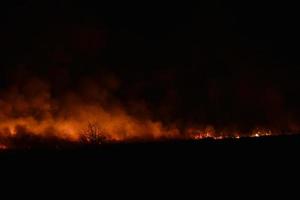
point(256, 162)
point(204, 152)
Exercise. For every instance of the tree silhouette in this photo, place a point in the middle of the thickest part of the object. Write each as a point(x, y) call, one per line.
point(93, 135)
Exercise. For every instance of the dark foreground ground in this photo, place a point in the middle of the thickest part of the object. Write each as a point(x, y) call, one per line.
point(219, 153)
point(247, 165)
point(208, 163)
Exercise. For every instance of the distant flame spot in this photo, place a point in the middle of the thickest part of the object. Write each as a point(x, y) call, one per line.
point(12, 131)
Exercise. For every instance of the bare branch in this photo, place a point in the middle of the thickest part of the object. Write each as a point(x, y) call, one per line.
point(93, 135)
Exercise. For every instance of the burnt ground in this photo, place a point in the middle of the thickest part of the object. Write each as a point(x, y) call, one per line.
point(210, 164)
point(214, 153)
point(237, 167)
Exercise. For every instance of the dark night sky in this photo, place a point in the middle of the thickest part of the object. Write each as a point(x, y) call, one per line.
point(218, 62)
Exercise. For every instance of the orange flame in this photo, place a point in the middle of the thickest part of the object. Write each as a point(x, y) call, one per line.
point(32, 107)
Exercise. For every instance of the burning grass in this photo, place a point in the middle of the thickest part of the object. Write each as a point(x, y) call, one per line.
point(94, 135)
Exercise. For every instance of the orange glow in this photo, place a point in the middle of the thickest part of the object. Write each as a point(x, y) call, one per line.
point(209, 132)
point(30, 109)
point(2, 147)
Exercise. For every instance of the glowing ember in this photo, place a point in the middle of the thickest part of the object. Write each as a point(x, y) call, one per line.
point(259, 132)
point(209, 132)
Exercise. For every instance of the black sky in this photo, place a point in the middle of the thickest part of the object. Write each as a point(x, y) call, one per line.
point(220, 62)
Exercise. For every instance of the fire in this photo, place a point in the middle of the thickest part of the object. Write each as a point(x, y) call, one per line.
point(260, 132)
point(210, 133)
point(30, 110)
point(3, 147)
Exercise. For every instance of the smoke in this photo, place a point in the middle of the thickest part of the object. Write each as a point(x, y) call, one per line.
point(73, 76)
point(42, 108)
point(33, 106)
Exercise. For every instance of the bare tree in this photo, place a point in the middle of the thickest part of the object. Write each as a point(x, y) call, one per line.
point(93, 135)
